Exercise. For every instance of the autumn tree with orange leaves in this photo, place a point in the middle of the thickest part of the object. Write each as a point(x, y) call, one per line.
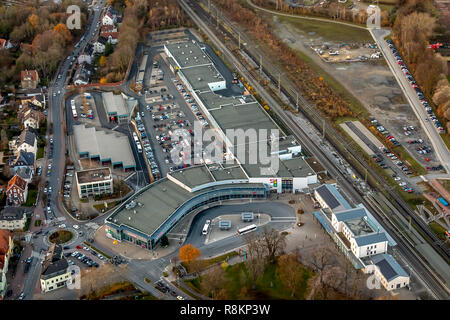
point(61, 29)
point(189, 253)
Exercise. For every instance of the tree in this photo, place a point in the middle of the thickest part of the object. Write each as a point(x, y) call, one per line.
point(256, 258)
point(63, 31)
point(290, 272)
point(274, 243)
point(212, 281)
point(189, 253)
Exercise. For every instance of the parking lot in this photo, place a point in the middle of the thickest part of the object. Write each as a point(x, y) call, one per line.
point(169, 111)
point(84, 257)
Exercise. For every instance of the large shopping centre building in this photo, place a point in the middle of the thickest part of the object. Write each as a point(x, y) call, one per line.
point(163, 203)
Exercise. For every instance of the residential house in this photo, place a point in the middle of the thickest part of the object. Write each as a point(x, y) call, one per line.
point(29, 79)
point(6, 249)
point(108, 18)
point(14, 218)
point(22, 160)
point(5, 44)
point(99, 45)
point(27, 141)
point(82, 75)
point(16, 191)
point(32, 118)
point(86, 55)
point(110, 32)
point(55, 270)
point(25, 173)
point(37, 100)
point(112, 37)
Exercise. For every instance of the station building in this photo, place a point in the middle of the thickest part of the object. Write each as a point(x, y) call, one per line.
point(359, 236)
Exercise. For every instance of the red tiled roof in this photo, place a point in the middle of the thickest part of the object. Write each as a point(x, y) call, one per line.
point(29, 73)
point(18, 181)
point(113, 35)
point(4, 245)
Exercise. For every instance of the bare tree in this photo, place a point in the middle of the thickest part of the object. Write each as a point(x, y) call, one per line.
point(274, 243)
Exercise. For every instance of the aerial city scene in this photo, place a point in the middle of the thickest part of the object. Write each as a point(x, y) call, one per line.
point(203, 151)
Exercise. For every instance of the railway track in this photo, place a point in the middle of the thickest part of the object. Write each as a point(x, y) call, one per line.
point(331, 133)
point(428, 276)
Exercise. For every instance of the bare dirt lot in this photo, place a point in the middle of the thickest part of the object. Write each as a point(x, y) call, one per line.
point(371, 81)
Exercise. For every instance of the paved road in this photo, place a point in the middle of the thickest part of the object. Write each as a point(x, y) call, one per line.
point(55, 179)
point(317, 148)
point(439, 146)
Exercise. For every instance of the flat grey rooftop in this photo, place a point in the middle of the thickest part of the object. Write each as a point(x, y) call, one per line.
point(160, 201)
point(246, 116)
point(214, 100)
point(200, 76)
point(359, 226)
point(292, 168)
point(222, 172)
point(113, 146)
point(93, 175)
point(114, 104)
point(187, 54)
point(193, 176)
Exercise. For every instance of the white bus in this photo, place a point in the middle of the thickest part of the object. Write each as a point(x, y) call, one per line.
point(246, 229)
point(206, 227)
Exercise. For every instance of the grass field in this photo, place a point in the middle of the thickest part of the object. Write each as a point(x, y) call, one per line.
point(268, 286)
point(438, 229)
point(329, 31)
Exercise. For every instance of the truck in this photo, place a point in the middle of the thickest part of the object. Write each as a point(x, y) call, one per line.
point(442, 200)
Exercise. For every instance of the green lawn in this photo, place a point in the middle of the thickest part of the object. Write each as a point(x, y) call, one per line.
point(268, 286)
point(40, 153)
point(207, 262)
point(328, 31)
point(31, 198)
point(438, 229)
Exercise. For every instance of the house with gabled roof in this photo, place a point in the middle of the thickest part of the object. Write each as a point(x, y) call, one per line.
point(29, 79)
point(27, 141)
point(16, 191)
point(23, 159)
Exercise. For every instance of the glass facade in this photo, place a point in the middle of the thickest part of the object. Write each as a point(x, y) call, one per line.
point(238, 192)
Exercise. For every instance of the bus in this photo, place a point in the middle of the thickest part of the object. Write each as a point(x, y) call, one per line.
point(206, 227)
point(246, 229)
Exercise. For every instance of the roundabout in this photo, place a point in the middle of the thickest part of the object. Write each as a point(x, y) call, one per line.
point(60, 236)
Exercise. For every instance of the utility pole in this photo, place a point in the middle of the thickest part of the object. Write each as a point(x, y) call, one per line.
point(323, 129)
point(260, 65)
point(279, 83)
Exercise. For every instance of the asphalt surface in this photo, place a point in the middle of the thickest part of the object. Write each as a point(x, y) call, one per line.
point(439, 146)
point(58, 162)
point(317, 148)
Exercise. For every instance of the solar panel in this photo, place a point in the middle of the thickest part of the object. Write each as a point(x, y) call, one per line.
point(328, 197)
point(386, 269)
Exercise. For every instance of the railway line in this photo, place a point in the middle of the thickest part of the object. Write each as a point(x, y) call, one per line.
point(331, 133)
point(424, 271)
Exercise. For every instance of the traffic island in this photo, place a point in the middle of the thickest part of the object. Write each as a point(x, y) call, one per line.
point(60, 237)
